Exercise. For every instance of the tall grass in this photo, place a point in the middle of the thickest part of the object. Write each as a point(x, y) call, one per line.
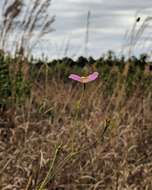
point(59, 142)
point(23, 24)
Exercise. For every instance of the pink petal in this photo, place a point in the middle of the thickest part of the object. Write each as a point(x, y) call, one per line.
point(75, 77)
point(93, 76)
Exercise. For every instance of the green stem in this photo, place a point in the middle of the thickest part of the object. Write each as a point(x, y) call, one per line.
point(87, 148)
point(49, 174)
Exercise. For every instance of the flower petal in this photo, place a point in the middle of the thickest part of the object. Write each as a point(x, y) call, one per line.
point(75, 77)
point(93, 76)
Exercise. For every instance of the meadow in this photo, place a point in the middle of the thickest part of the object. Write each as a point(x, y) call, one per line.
point(97, 138)
point(57, 135)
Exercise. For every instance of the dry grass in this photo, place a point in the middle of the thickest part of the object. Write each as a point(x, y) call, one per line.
point(60, 131)
point(85, 160)
point(25, 21)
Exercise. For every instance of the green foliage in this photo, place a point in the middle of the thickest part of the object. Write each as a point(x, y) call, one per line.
point(15, 89)
point(21, 87)
point(5, 82)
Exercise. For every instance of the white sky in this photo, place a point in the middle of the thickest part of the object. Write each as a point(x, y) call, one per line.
point(109, 21)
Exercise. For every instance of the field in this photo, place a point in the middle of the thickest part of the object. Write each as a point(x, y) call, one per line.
point(57, 135)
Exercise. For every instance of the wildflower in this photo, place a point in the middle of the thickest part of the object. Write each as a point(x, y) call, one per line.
point(84, 79)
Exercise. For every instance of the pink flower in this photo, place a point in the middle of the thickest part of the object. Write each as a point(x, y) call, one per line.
point(83, 79)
